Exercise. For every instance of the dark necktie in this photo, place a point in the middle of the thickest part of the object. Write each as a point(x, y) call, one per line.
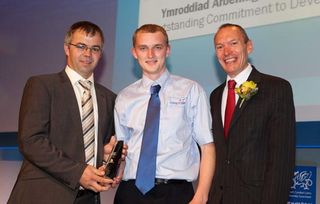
point(231, 101)
point(146, 170)
point(87, 122)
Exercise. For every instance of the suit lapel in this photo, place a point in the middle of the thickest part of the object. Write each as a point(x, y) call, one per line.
point(67, 93)
point(216, 114)
point(218, 107)
point(70, 98)
point(255, 77)
point(101, 101)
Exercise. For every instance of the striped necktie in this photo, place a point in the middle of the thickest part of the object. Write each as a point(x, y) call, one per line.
point(87, 121)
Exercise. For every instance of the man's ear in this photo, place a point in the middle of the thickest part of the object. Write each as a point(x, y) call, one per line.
point(168, 51)
point(249, 46)
point(133, 52)
point(66, 49)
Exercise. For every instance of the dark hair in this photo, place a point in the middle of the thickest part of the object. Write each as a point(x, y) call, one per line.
point(150, 28)
point(86, 26)
point(242, 31)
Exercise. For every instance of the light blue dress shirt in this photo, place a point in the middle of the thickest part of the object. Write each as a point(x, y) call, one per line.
point(184, 121)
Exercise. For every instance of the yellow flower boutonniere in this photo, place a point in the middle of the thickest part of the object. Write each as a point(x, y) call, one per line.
point(246, 90)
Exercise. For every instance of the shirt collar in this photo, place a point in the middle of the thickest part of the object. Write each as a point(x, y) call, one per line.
point(242, 76)
point(75, 77)
point(146, 82)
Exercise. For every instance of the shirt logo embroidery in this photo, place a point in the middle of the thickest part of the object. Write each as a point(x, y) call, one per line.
point(177, 101)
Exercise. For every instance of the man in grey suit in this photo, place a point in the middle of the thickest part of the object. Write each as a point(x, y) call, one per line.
point(256, 154)
point(51, 136)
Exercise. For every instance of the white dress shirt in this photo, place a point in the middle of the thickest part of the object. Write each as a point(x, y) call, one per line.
point(79, 90)
point(240, 78)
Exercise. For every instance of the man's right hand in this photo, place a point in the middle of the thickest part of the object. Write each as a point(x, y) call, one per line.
point(93, 179)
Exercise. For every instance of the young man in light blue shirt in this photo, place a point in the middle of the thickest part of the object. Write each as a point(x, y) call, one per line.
point(184, 128)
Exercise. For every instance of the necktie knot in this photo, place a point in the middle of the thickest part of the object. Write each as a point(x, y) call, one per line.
point(155, 89)
point(86, 84)
point(231, 84)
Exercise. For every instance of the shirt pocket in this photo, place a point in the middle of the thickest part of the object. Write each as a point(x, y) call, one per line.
point(174, 113)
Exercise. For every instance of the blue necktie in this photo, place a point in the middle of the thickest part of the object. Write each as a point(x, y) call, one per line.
point(147, 162)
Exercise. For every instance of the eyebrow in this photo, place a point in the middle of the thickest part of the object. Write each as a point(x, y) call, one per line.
point(155, 45)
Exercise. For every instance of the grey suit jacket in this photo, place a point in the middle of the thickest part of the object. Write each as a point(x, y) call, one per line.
point(255, 164)
point(51, 141)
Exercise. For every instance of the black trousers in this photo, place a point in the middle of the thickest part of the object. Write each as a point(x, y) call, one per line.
point(87, 197)
point(170, 193)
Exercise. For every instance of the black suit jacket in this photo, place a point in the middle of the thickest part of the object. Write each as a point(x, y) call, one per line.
point(51, 139)
point(256, 163)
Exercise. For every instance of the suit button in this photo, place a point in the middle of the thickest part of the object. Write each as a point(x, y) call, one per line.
point(227, 161)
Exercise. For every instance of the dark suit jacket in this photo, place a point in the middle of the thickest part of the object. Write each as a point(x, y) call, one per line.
point(255, 164)
point(51, 139)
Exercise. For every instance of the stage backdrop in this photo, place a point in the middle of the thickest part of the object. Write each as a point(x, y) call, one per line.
point(286, 41)
point(31, 43)
point(285, 35)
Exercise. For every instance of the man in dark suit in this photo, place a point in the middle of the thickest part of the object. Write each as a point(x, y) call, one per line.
point(56, 168)
point(256, 154)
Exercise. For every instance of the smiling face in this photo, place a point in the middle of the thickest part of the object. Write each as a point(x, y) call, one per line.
point(83, 61)
point(232, 50)
point(151, 51)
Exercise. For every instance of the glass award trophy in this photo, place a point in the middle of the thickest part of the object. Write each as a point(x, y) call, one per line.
point(114, 160)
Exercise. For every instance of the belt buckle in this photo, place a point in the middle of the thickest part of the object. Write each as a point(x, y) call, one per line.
point(159, 181)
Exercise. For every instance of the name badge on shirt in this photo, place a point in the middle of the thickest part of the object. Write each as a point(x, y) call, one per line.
point(177, 101)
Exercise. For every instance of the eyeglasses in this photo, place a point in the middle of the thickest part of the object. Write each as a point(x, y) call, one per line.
point(84, 47)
